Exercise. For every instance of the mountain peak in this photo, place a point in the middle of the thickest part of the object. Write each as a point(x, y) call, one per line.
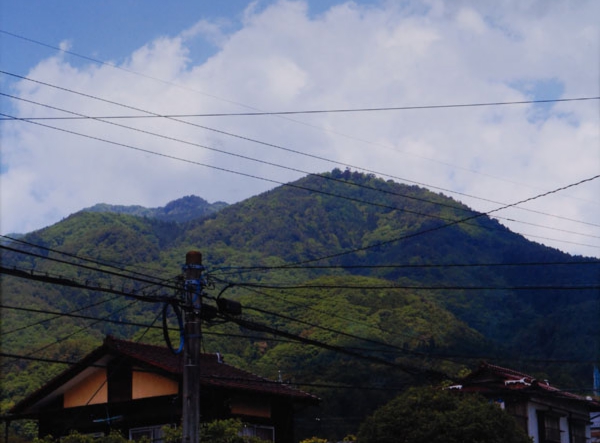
point(181, 210)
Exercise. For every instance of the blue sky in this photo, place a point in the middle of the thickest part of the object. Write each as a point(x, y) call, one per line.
point(110, 30)
point(197, 57)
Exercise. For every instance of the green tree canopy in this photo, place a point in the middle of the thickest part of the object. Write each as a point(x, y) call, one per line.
point(428, 415)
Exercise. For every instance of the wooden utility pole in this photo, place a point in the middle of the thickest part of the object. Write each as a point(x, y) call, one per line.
point(191, 354)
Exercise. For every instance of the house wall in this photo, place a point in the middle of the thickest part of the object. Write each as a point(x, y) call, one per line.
point(91, 391)
point(532, 422)
point(564, 426)
point(533, 425)
point(146, 384)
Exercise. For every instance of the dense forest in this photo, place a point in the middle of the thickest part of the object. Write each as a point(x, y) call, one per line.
point(402, 285)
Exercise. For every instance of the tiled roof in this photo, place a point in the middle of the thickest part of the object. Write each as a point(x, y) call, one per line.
point(491, 378)
point(212, 371)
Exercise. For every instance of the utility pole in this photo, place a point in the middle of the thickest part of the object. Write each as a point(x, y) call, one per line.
point(192, 304)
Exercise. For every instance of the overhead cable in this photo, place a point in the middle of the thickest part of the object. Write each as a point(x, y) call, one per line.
point(437, 228)
point(591, 287)
point(112, 65)
point(55, 315)
point(77, 331)
point(408, 266)
point(62, 281)
point(150, 113)
point(119, 267)
point(314, 111)
point(148, 280)
point(293, 185)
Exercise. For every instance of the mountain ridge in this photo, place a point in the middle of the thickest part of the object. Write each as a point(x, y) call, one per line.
point(180, 210)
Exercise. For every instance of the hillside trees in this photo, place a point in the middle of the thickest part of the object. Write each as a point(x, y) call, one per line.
point(457, 290)
point(428, 415)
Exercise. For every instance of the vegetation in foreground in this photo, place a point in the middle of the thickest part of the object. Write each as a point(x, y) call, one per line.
point(428, 415)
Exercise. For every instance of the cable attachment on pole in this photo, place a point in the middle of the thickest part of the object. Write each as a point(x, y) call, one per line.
point(180, 324)
point(226, 306)
point(194, 282)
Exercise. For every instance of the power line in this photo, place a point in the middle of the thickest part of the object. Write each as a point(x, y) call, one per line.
point(62, 281)
point(293, 185)
point(347, 350)
point(407, 266)
point(430, 373)
point(65, 337)
point(592, 287)
point(71, 314)
point(336, 331)
point(326, 177)
point(151, 326)
point(162, 283)
point(253, 288)
point(212, 376)
point(119, 266)
point(313, 111)
point(152, 114)
point(57, 315)
point(215, 149)
point(437, 228)
point(245, 323)
point(112, 65)
point(286, 267)
point(113, 371)
point(328, 329)
point(320, 111)
point(334, 315)
point(325, 384)
point(120, 322)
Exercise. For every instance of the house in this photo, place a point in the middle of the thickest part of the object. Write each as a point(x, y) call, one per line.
point(136, 388)
point(548, 414)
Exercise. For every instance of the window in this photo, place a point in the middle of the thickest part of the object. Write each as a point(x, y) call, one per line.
point(154, 434)
point(577, 428)
point(263, 432)
point(549, 427)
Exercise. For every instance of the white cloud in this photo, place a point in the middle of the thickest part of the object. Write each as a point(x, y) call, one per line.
point(351, 56)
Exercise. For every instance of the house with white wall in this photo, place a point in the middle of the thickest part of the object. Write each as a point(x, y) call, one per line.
point(548, 414)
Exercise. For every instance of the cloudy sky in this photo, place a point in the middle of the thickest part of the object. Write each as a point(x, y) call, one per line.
point(153, 58)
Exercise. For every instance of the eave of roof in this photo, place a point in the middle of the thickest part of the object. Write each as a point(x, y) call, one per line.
point(213, 372)
point(490, 378)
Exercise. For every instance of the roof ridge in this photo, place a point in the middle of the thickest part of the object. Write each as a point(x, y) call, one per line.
point(131, 347)
point(507, 371)
point(111, 341)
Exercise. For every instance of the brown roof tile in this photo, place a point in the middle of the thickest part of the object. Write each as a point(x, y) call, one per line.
point(492, 378)
point(213, 372)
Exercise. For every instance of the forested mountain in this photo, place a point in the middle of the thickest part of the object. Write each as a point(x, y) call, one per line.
point(384, 274)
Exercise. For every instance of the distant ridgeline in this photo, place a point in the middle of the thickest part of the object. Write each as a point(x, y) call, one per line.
point(181, 210)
